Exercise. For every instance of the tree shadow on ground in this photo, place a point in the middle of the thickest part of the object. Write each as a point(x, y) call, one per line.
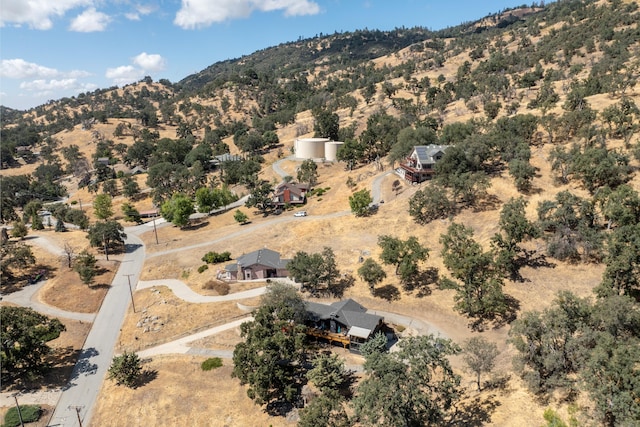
point(146, 377)
point(61, 362)
point(279, 408)
point(195, 226)
point(497, 320)
point(499, 382)
point(342, 285)
point(83, 366)
point(476, 412)
point(387, 292)
point(487, 202)
point(534, 259)
point(422, 282)
point(26, 277)
point(130, 247)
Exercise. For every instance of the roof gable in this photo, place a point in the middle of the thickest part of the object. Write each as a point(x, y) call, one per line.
point(428, 154)
point(348, 312)
point(265, 257)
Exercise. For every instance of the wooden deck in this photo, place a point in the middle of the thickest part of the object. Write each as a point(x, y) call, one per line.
point(329, 336)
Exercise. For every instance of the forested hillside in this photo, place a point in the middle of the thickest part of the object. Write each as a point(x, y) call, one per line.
point(538, 102)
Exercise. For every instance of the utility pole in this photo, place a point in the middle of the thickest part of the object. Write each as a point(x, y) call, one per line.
point(130, 291)
point(155, 231)
point(15, 396)
point(106, 248)
point(77, 408)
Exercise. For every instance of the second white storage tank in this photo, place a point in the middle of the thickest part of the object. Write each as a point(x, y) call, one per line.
point(331, 150)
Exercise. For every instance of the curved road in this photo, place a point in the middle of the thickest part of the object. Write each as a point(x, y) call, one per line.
point(78, 397)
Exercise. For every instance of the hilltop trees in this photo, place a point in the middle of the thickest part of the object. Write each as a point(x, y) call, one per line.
point(431, 203)
point(102, 206)
point(479, 356)
point(125, 369)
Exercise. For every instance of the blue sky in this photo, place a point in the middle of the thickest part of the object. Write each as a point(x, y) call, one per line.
point(50, 49)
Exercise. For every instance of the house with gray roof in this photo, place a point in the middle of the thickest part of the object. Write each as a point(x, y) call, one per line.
point(260, 264)
point(346, 322)
point(420, 165)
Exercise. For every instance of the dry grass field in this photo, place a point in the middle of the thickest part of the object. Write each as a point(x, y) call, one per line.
point(180, 393)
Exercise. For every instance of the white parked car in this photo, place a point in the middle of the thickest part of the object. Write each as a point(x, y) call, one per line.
point(301, 213)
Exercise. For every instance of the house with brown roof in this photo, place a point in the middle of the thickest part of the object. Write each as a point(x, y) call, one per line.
point(260, 264)
point(345, 322)
point(290, 193)
point(420, 165)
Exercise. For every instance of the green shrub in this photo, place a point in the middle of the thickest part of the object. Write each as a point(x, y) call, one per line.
point(30, 414)
point(74, 202)
point(215, 257)
point(203, 268)
point(211, 363)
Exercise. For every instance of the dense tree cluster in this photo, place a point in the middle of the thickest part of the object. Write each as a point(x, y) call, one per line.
point(25, 334)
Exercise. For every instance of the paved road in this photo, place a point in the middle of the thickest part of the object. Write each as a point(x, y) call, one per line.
point(27, 297)
point(184, 292)
point(96, 355)
point(180, 346)
point(248, 229)
point(276, 165)
point(97, 352)
point(376, 187)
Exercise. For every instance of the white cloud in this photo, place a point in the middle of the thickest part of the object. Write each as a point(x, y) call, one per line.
point(148, 62)
point(202, 13)
point(89, 21)
point(21, 69)
point(43, 87)
point(36, 14)
point(124, 74)
point(78, 74)
point(140, 10)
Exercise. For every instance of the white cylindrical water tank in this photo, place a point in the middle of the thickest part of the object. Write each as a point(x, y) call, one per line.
point(331, 150)
point(310, 148)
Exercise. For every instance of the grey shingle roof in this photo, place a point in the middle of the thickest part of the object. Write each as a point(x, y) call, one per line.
point(425, 153)
point(265, 257)
point(347, 312)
